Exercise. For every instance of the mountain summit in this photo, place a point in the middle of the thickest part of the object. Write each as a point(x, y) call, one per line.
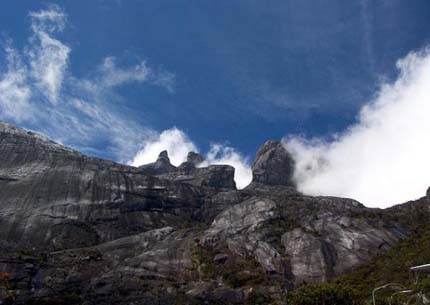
point(273, 165)
point(82, 230)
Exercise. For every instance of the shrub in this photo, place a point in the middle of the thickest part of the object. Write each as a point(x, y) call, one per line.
point(323, 294)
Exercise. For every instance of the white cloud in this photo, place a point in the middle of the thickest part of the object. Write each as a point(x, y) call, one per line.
point(219, 154)
point(14, 92)
point(51, 20)
point(164, 79)
point(113, 75)
point(38, 92)
point(175, 141)
point(384, 158)
point(48, 56)
point(177, 144)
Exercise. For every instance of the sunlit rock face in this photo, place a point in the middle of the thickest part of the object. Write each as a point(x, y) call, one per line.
point(73, 226)
point(54, 197)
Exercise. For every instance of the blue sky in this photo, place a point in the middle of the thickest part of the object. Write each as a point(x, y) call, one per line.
point(234, 73)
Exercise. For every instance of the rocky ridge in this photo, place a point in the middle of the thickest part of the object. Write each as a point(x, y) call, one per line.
point(81, 230)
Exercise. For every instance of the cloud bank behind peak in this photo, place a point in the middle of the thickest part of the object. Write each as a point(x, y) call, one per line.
point(178, 144)
point(384, 158)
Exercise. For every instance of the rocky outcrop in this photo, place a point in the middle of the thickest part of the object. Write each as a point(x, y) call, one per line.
point(327, 240)
point(159, 167)
point(333, 244)
point(273, 165)
point(195, 158)
point(81, 230)
point(215, 176)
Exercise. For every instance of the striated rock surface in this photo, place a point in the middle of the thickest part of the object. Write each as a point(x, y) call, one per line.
point(55, 197)
point(81, 230)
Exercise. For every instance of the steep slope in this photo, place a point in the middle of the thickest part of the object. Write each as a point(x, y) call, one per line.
point(84, 230)
point(55, 197)
point(392, 266)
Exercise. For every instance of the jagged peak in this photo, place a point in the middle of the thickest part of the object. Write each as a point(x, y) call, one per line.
point(195, 158)
point(273, 165)
point(161, 166)
point(163, 156)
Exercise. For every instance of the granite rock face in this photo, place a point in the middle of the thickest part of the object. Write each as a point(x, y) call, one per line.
point(325, 241)
point(55, 197)
point(215, 176)
point(81, 230)
point(218, 176)
point(273, 165)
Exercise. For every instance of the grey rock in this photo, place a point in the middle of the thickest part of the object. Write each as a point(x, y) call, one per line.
point(159, 167)
point(326, 242)
point(195, 158)
point(243, 217)
point(72, 225)
point(189, 166)
point(331, 245)
point(58, 198)
point(220, 258)
point(273, 165)
point(214, 176)
point(205, 294)
point(239, 225)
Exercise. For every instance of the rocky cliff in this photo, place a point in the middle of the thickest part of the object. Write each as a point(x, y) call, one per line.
point(81, 230)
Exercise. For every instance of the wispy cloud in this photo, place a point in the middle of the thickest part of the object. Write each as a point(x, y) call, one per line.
point(113, 75)
point(38, 91)
point(383, 159)
point(49, 20)
point(48, 56)
point(14, 92)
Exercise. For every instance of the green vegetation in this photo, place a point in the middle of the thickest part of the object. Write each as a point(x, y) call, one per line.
point(324, 294)
point(356, 286)
point(235, 271)
point(353, 288)
point(259, 298)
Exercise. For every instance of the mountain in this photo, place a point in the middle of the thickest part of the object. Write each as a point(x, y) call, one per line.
point(81, 230)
